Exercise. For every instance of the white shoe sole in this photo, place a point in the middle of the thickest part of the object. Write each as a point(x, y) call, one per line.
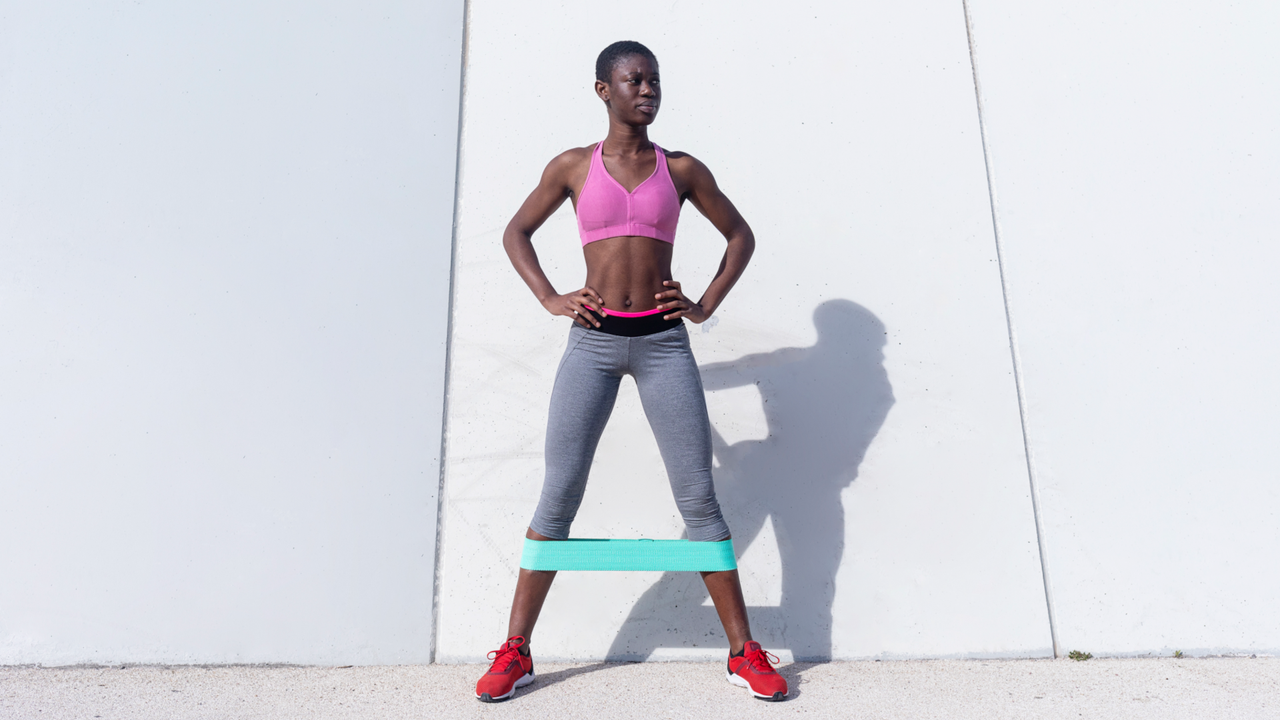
point(740, 682)
point(528, 678)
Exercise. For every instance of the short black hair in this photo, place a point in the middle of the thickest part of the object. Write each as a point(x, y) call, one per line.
point(610, 56)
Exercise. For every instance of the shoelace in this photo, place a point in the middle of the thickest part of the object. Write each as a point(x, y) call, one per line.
point(506, 654)
point(759, 660)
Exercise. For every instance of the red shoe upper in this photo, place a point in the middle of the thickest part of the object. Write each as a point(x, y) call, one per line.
point(755, 667)
point(508, 667)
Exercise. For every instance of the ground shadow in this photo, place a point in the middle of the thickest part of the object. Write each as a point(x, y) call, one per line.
point(824, 405)
point(792, 672)
point(546, 680)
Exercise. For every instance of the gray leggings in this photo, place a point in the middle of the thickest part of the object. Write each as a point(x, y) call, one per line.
point(671, 391)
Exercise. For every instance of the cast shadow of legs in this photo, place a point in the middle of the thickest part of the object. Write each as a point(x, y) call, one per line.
point(824, 405)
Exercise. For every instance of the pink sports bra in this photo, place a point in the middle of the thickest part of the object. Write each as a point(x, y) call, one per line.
point(606, 209)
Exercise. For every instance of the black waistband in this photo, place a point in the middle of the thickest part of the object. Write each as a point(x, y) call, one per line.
point(635, 327)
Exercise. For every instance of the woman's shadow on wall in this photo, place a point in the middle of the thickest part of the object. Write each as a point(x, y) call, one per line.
point(824, 405)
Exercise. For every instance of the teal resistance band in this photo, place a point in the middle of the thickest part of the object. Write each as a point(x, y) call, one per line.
point(664, 555)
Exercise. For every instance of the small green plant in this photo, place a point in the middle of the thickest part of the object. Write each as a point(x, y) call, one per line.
point(1177, 653)
point(1079, 656)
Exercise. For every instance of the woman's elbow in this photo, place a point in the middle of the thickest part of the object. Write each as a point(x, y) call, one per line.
point(744, 240)
point(515, 238)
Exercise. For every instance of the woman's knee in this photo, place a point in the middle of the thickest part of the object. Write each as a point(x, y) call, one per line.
point(703, 519)
point(712, 530)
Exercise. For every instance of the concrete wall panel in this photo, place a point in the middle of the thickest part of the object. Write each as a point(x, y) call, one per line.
point(872, 462)
point(1135, 151)
point(224, 252)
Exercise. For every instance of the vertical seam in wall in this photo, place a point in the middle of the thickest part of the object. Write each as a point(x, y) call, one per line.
point(448, 347)
point(1013, 340)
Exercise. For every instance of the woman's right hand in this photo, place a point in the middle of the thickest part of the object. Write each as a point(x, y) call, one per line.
point(575, 305)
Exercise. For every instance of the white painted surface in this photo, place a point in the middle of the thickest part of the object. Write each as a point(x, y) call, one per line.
point(224, 252)
point(1135, 151)
point(874, 475)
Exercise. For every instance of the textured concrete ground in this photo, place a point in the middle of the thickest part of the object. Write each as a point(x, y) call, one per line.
point(1233, 688)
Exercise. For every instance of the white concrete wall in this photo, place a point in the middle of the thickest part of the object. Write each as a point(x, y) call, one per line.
point(1136, 157)
point(224, 267)
point(872, 464)
point(224, 273)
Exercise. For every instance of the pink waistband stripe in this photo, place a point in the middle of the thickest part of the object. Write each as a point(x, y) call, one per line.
point(619, 313)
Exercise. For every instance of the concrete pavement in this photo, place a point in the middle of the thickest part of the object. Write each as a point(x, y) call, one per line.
point(1133, 689)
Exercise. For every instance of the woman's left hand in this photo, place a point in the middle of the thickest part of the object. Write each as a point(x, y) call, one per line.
point(673, 299)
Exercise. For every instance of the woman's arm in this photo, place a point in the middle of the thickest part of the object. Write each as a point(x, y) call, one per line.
point(711, 202)
point(552, 190)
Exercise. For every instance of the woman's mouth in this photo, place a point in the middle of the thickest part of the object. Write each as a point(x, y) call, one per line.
point(647, 108)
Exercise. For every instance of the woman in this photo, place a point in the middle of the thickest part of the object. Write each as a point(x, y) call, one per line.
point(628, 319)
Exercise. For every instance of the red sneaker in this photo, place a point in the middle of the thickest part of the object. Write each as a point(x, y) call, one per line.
point(509, 671)
point(752, 670)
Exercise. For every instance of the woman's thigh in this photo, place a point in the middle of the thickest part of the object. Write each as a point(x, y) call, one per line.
point(671, 391)
point(582, 399)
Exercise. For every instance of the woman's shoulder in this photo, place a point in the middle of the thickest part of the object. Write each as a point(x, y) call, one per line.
point(570, 164)
point(681, 158)
point(684, 165)
point(574, 156)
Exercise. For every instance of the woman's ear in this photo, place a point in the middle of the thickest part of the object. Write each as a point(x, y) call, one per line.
point(602, 90)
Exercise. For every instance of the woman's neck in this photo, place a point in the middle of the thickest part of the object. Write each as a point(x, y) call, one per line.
point(627, 139)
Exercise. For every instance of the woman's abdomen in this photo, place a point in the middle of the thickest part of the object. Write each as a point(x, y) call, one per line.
point(628, 271)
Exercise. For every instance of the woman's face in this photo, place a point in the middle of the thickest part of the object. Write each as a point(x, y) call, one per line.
point(633, 93)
